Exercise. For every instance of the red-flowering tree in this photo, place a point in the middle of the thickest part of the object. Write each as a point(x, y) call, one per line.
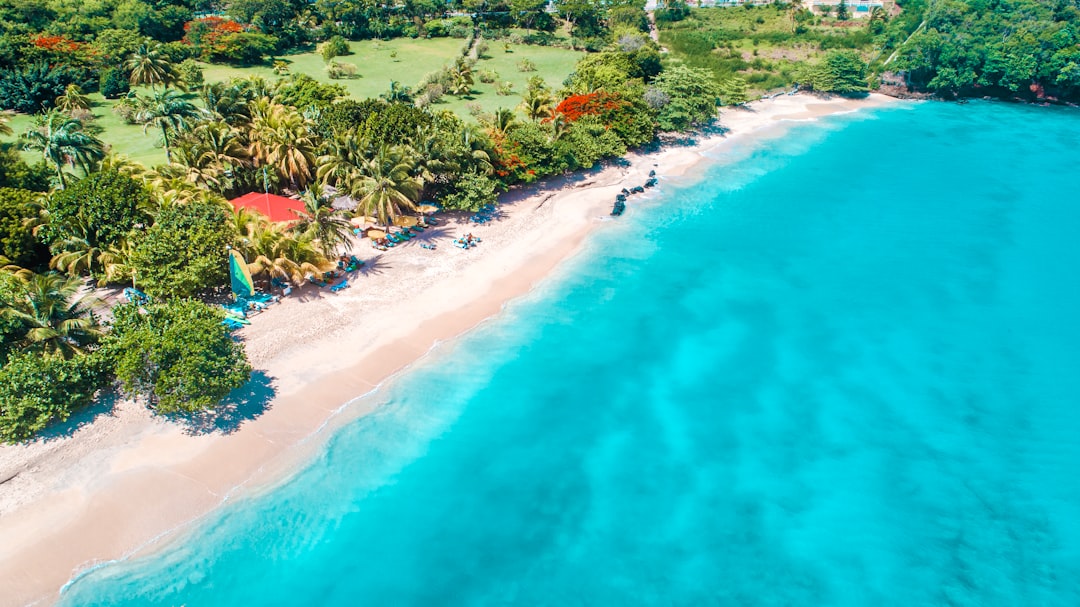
point(56, 44)
point(204, 34)
point(601, 104)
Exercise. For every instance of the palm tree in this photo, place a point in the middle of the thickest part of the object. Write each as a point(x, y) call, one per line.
point(72, 99)
point(384, 184)
point(461, 78)
point(323, 224)
point(342, 158)
point(121, 164)
point(227, 101)
point(281, 139)
point(274, 251)
point(148, 65)
point(476, 149)
point(500, 123)
point(208, 155)
point(56, 318)
point(77, 253)
point(536, 103)
point(168, 111)
point(61, 141)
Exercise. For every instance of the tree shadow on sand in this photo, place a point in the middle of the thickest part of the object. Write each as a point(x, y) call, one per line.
point(102, 406)
point(246, 403)
point(373, 265)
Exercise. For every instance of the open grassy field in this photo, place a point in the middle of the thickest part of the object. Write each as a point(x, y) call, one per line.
point(376, 68)
point(758, 42)
point(552, 64)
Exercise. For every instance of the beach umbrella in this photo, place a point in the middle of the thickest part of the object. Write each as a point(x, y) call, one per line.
point(405, 222)
point(359, 221)
point(376, 234)
point(427, 209)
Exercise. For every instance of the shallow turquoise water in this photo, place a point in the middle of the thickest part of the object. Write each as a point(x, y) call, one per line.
point(839, 370)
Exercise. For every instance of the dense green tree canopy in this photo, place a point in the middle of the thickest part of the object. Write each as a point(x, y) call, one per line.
point(177, 355)
point(17, 241)
point(691, 98)
point(38, 390)
point(1001, 47)
point(842, 72)
point(184, 252)
point(106, 206)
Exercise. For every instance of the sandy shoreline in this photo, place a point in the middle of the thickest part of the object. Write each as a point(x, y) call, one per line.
point(121, 481)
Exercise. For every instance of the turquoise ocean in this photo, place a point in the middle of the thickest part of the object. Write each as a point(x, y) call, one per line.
point(833, 367)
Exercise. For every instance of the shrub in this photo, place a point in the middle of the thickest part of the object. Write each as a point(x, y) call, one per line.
point(183, 253)
point(301, 91)
point(190, 73)
point(336, 46)
point(16, 173)
point(177, 355)
point(35, 88)
point(470, 192)
point(434, 91)
point(488, 76)
point(127, 109)
point(526, 65)
point(37, 390)
point(337, 71)
point(505, 88)
point(106, 206)
point(114, 83)
point(17, 241)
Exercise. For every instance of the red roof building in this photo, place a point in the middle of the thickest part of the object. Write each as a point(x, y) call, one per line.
point(277, 208)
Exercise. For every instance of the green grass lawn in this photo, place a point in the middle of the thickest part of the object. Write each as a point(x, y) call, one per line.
point(552, 64)
point(122, 138)
point(376, 68)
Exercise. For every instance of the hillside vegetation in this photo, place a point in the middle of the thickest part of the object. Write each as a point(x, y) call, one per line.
point(1027, 49)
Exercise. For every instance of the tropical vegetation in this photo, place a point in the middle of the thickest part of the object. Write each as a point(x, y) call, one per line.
point(76, 213)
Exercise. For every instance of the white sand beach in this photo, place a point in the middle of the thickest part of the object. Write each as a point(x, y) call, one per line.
point(123, 482)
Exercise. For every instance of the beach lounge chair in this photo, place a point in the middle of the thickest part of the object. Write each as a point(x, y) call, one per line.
point(339, 286)
point(135, 296)
point(235, 310)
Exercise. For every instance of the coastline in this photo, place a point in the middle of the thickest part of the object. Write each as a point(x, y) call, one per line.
point(117, 486)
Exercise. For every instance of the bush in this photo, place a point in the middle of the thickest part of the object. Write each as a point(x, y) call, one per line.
point(505, 89)
point(470, 192)
point(177, 355)
point(183, 253)
point(526, 65)
point(488, 76)
point(16, 173)
point(301, 91)
point(37, 390)
point(114, 83)
point(127, 109)
point(589, 141)
point(105, 205)
point(336, 46)
point(337, 71)
point(35, 88)
point(190, 72)
point(17, 241)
